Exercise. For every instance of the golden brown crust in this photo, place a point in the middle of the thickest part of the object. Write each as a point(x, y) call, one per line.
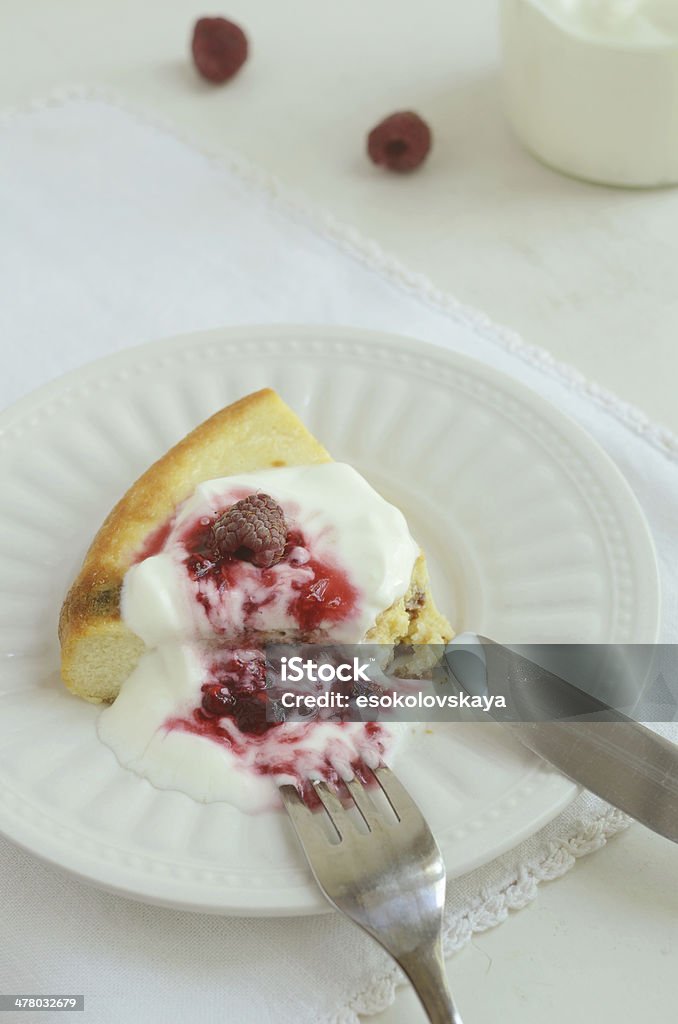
point(257, 431)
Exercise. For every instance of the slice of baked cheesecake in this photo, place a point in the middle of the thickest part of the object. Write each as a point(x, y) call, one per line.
point(246, 531)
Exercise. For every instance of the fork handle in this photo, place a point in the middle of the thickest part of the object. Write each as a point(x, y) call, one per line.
point(424, 967)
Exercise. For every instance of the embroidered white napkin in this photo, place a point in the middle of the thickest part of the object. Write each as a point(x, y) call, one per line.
point(115, 232)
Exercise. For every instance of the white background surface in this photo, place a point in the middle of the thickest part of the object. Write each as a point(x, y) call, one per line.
point(588, 273)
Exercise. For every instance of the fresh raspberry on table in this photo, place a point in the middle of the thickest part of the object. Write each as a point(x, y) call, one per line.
point(219, 48)
point(400, 142)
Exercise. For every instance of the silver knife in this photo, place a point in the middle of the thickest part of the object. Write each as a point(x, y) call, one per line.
point(599, 747)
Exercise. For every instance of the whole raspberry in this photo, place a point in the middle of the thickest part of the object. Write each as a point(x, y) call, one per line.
point(219, 48)
point(400, 142)
point(253, 526)
point(250, 716)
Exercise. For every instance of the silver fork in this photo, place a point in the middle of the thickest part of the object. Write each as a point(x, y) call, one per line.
point(387, 877)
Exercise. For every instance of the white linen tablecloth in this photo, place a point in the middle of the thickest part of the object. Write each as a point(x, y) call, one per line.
point(114, 231)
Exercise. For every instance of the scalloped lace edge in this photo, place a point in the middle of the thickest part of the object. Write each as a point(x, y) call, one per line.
point(491, 906)
point(369, 253)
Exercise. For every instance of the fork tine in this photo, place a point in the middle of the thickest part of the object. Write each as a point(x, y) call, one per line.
point(400, 800)
point(336, 811)
point(361, 799)
point(306, 825)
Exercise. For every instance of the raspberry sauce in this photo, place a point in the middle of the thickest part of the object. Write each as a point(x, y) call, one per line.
point(232, 712)
point(319, 592)
point(155, 541)
point(312, 555)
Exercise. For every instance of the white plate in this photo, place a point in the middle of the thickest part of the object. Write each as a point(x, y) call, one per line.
point(531, 534)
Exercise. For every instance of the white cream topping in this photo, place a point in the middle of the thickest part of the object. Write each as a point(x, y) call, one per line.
point(166, 684)
point(346, 524)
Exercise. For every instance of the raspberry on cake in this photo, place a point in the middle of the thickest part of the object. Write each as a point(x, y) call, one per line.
point(255, 524)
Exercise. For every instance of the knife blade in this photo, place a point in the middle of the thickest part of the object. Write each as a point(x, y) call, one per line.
point(592, 743)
